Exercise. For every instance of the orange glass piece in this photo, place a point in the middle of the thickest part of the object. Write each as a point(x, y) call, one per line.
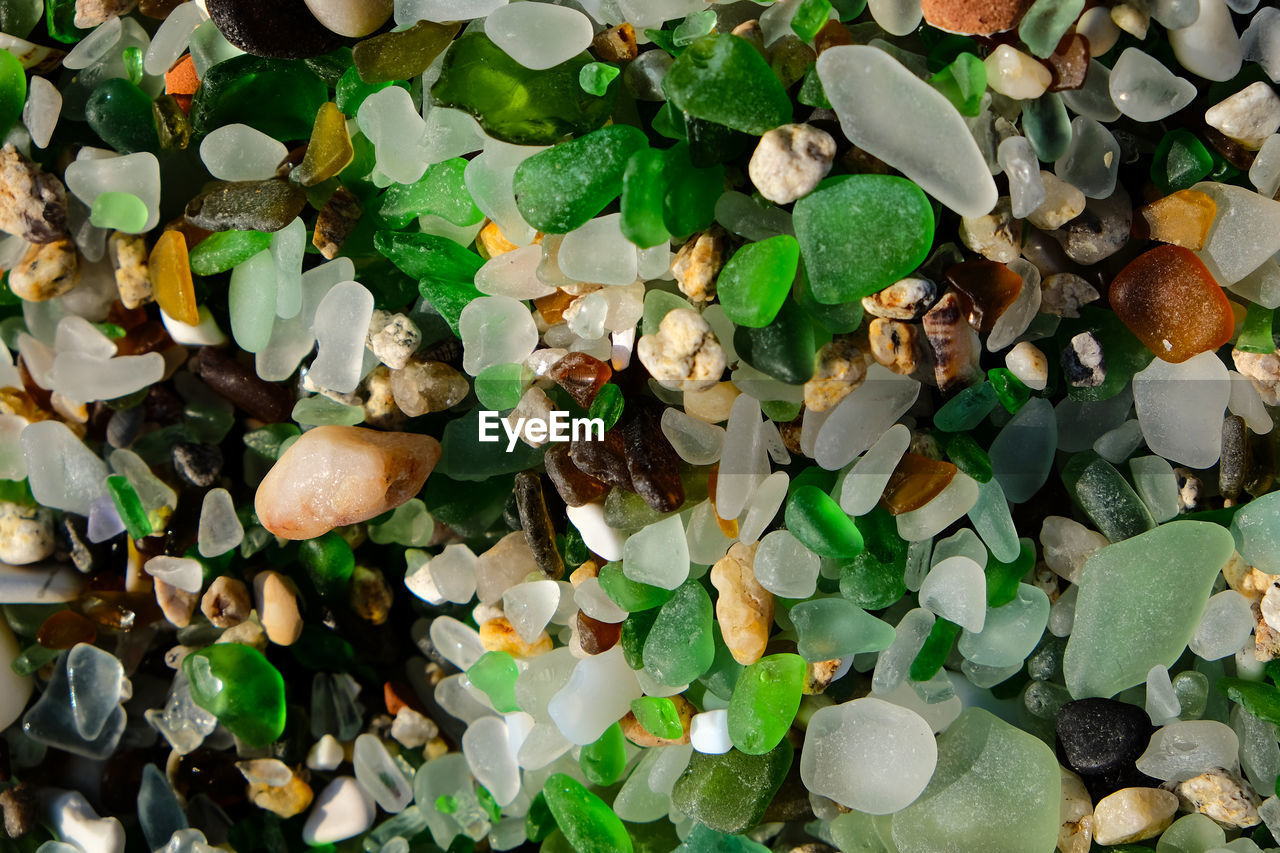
point(1183, 218)
point(582, 376)
point(64, 629)
point(1172, 303)
point(986, 289)
point(170, 271)
point(916, 481)
point(553, 305)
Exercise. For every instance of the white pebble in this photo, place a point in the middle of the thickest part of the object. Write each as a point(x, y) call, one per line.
point(342, 810)
point(709, 732)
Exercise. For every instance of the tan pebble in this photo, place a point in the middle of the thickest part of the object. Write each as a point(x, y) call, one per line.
point(906, 299)
point(226, 602)
point(33, 203)
point(72, 411)
point(1029, 364)
point(351, 18)
point(699, 261)
point(128, 254)
point(247, 633)
point(974, 17)
point(286, 801)
point(427, 386)
point(46, 271)
point(1262, 370)
point(1076, 813)
point(895, 345)
point(616, 44)
point(640, 736)
point(996, 236)
point(588, 569)
point(277, 603)
point(841, 367)
point(380, 409)
point(954, 342)
point(26, 533)
point(18, 805)
point(1266, 640)
point(1222, 796)
point(90, 13)
point(1062, 294)
point(411, 729)
point(506, 564)
point(497, 635)
point(335, 222)
point(1133, 814)
point(790, 160)
point(1062, 203)
point(684, 353)
point(335, 475)
point(177, 605)
point(1131, 19)
point(711, 404)
point(818, 675)
point(744, 609)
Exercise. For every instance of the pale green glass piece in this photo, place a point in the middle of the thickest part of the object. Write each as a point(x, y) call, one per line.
point(119, 212)
point(321, 411)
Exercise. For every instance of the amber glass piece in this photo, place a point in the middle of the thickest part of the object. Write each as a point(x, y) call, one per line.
point(1172, 303)
point(574, 487)
point(329, 151)
point(832, 34)
point(916, 481)
point(986, 289)
point(151, 336)
point(64, 629)
point(170, 272)
point(1182, 218)
point(582, 376)
point(1069, 63)
point(553, 305)
point(492, 242)
point(605, 460)
point(652, 462)
point(596, 636)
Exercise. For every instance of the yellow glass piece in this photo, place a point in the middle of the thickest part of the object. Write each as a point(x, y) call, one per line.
point(170, 272)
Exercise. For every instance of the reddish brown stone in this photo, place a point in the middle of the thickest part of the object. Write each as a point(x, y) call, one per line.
point(974, 17)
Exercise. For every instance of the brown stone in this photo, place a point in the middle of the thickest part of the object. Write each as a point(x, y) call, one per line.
point(46, 271)
point(974, 17)
point(699, 262)
point(336, 475)
point(226, 602)
point(895, 345)
point(90, 13)
point(744, 609)
point(128, 254)
point(616, 44)
point(335, 222)
point(33, 204)
point(955, 344)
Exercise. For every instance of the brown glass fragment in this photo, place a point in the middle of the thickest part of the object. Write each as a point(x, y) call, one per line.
point(595, 636)
point(582, 376)
point(64, 629)
point(652, 462)
point(605, 460)
point(986, 290)
point(573, 485)
point(266, 401)
point(916, 481)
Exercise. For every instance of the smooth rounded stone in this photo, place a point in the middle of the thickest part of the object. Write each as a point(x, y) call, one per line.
point(1185, 749)
point(1193, 833)
point(1264, 174)
point(343, 809)
point(1010, 632)
point(866, 480)
point(336, 475)
point(611, 682)
point(1180, 408)
point(1248, 117)
point(598, 536)
point(1014, 74)
point(219, 529)
point(830, 628)
point(709, 732)
point(1209, 47)
point(1133, 814)
point(894, 746)
point(995, 788)
point(183, 572)
point(74, 821)
point(351, 18)
point(1092, 160)
point(495, 330)
point(861, 418)
point(785, 567)
point(892, 114)
point(281, 30)
point(896, 17)
point(62, 472)
point(539, 35)
point(1138, 603)
point(1244, 232)
point(695, 441)
point(789, 161)
point(237, 152)
point(1224, 626)
point(1171, 302)
point(26, 533)
point(1144, 89)
point(956, 590)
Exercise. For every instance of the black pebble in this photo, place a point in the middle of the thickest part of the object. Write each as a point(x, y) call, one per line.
point(279, 29)
point(1101, 739)
point(198, 464)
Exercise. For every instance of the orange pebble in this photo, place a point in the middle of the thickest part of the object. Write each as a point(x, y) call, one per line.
point(1183, 218)
point(181, 81)
point(916, 481)
point(1172, 303)
point(170, 271)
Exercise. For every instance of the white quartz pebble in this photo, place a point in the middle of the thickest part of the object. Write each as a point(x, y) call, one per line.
point(866, 480)
point(893, 747)
point(539, 35)
point(183, 572)
point(341, 325)
point(73, 820)
point(1249, 116)
point(1145, 90)
point(709, 732)
point(325, 754)
point(1209, 47)
point(956, 590)
point(1188, 748)
point(342, 810)
point(891, 113)
point(1015, 74)
point(1180, 408)
point(237, 152)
